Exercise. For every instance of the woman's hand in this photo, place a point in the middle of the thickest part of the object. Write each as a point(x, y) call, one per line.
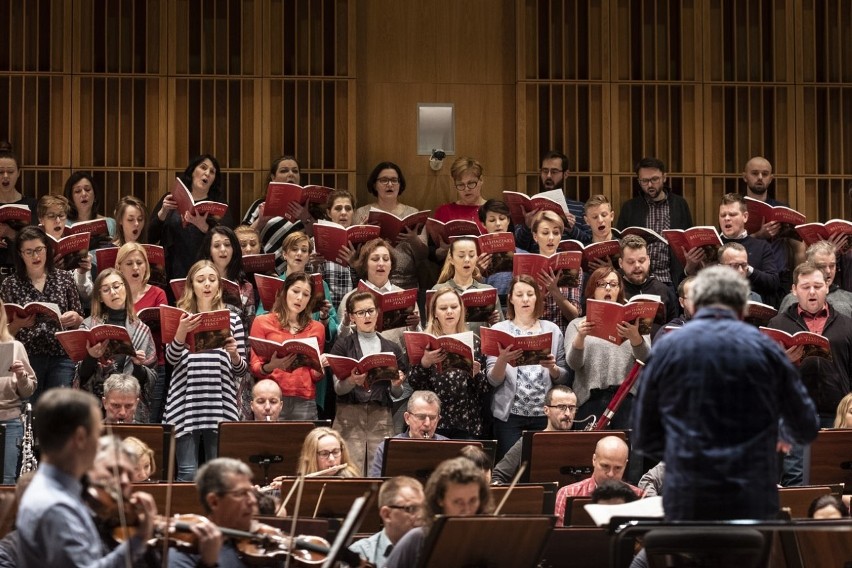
point(169, 205)
point(794, 354)
point(550, 364)
point(17, 368)
point(431, 357)
point(549, 280)
point(282, 363)
point(139, 358)
point(232, 348)
point(507, 355)
point(494, 317)
point(198, 220)
point(483, 261)
point(599, 262)
point(187, 324)
point(70, 319)
point(97, 350)
point(477, 367)
point(85, 264)
point(629, 331)
point(442, 250)
point(585, 328)
point(412, 321)
point(412, 237)
point(17, 323)
point(399, 380)
point(323, 311)
point(345, 255)
point(358, 379)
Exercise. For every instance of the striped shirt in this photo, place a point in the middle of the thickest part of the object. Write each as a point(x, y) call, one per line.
point(273, 233)
point(203, 390)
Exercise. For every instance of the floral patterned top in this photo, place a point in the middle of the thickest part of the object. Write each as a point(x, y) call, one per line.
point(461, 394)
point(60, 289)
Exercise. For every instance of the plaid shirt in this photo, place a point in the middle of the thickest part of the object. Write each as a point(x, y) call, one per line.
point(552, 311)
point(340, 279)
point(659, 220)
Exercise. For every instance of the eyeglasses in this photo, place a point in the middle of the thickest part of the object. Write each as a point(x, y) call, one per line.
point(388, 181)
point(365, 313)
point(241, 493)
point(325, 454)
point(114, 288)
point(741, 266)
point(410, 509)
point(604, 284)
point(469, 185)
point(550, 171)
point(425, 417)
point(649, 181)
point(38, 251)
point(55, 216)
point(571, 408)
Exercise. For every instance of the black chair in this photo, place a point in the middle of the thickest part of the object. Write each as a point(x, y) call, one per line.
point(702, 548)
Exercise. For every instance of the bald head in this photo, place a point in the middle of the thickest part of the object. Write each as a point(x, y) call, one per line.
point(610, 459)
point(266, 402)
point(758, 176)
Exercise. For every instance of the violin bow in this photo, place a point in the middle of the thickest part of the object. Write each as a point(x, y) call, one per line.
point(170, 472)
point(301, 483)
point(515, 479)
point(119, 496)
point(319, 500)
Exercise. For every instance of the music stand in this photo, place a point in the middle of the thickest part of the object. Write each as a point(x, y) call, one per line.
point(419, 458)
point(335, 496)
point(515, 541)
point(565, 457)
point(339, 550)
point(271, 449)
point(828, 460)
point(158, 437)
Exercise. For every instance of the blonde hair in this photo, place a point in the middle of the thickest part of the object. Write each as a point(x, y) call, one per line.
point(308, 458)
point(434, 326)
point(129, 248)
point(449, 269)
point(842, 410)
point(140, 450)
point(548, 216)
point(188, 301)
point(45, 202)
point(462, 165)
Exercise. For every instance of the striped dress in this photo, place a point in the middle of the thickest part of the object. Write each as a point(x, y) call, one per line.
point(203, 390)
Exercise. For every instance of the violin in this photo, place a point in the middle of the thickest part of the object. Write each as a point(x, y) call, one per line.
point(259, 547)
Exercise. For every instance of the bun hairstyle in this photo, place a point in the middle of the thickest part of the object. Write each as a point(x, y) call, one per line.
point(8, 152)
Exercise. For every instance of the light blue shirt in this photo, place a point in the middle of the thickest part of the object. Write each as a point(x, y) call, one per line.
point(375, 548)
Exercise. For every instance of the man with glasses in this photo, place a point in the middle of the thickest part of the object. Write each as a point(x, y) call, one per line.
point(227, 495)
point(401, 509)
point(734, 255)
point(560, 408)
point(657, 208)
point(422, 417)
point(554, 166)
point(266, 401)
point(608, 462)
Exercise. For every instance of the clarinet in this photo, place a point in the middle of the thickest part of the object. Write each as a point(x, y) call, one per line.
point(28, 459)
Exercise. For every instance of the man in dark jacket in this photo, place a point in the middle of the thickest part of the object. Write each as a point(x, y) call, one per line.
point(657, 208)
point(827, 380)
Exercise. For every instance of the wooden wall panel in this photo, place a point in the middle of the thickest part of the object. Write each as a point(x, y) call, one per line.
point(436, 51)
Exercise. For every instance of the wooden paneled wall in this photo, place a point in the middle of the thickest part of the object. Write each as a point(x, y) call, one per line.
point(131, 89)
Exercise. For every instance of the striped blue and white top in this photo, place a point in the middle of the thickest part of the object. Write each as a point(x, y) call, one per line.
point(203, 390)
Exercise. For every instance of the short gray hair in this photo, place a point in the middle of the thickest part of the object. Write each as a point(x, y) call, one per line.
point(426, 396)
point(820, 247)
point(211, 477)
point(720, 285)
point(122, 383)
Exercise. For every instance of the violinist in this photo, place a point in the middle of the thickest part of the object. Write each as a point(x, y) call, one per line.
point(112, 472)
point(55, 525)
point(227, 495)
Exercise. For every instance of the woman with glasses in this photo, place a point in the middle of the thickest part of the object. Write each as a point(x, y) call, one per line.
point(467, 181)
point(36, 279)
point(112, 304)
point(387, 183)
point(599, 365)
point(519, 392)
point(323, 450)
point(363, 416)
point(461, 391)
point(203, 389)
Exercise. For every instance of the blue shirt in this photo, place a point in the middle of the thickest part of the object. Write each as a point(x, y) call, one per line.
point(710, 400)
point(56, 528)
